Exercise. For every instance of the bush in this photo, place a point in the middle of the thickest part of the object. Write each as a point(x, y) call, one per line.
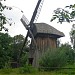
point(6, 71)
point(59, 57)
point(27, 69)
point(68, 69)
point(24, 59)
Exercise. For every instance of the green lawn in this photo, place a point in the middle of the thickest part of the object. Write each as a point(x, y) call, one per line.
point(38, 73)
point(16, 72)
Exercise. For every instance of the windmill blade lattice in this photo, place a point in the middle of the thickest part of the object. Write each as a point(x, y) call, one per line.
point(35, 11)
point(25, 22)
point(38, 11)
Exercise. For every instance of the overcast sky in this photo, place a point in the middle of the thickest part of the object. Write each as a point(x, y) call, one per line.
point(28, 7)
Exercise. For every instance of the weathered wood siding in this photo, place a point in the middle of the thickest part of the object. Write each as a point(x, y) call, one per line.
point(43, 44)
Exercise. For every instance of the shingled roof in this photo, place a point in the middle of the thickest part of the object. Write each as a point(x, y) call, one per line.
point(46, 29)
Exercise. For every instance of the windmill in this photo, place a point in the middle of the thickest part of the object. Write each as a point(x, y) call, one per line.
point(29, 25)
point(43, 36)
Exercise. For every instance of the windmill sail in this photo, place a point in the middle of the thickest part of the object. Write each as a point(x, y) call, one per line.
point(38, 10)
point(25, 21)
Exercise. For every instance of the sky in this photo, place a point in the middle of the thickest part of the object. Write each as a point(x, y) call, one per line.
point(28, 6)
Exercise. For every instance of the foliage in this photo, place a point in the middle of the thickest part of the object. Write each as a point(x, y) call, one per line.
point(24, 59)
point(27, 69)
point(58, 72)
point(3, 18)
point(69, 52)
point(5, 49)
point(64, 15)
point(6, 71)
point(17, 45)
point(72, 35)
point(10, 48)
point(17, 48)
point(68, 69)
point(59, 57)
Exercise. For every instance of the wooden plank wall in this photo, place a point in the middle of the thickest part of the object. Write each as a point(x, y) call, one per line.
point(45, 43)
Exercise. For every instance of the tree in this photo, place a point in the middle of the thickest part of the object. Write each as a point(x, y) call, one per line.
point(5, 49)
point(17, 45)
point(17, 48)
point(10, 48)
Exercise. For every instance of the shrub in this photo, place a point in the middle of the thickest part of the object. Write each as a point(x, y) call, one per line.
point(27, 69)
point(59, 57)
point(24, 59)
point(68, 69)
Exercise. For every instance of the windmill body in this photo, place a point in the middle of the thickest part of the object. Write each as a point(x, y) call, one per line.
point(46, 37)
point(43, 36)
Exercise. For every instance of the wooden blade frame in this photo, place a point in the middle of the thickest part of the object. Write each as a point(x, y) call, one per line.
point(24, 20)
point(35, 12)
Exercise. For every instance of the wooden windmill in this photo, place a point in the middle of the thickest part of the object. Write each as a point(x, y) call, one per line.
point(43, 36)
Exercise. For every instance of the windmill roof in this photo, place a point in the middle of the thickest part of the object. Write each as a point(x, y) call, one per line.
point(46, 29)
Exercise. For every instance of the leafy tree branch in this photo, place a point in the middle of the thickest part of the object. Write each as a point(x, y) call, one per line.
point(3, 18)
point(64, 15)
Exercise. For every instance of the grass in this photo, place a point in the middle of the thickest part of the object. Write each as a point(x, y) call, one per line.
point(16, 71)
point(39, 73)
